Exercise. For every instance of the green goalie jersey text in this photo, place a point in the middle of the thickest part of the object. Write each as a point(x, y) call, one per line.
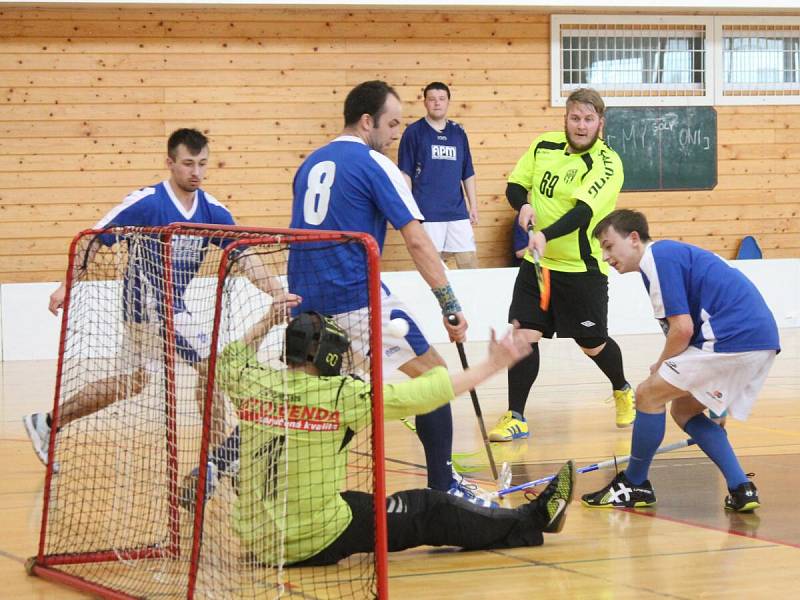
point(293, 459)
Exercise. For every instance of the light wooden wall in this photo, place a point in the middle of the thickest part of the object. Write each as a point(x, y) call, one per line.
point(89, 94)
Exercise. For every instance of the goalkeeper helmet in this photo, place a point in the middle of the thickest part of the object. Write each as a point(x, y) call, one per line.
point(315, 338)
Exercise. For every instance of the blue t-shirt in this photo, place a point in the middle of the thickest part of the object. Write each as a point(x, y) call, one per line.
point(157, 206)
point(437, 162)
point(343, 186)
point(728, 311)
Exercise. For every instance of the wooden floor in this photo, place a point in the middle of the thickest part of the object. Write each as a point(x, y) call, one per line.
point(687, 547)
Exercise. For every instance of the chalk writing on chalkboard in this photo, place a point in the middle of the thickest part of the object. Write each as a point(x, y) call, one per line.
point(668, 148)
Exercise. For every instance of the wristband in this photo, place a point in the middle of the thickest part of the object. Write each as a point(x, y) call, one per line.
point(447, 299)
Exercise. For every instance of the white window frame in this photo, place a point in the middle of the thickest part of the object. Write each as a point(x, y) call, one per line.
point(556, 57)
point(719, 74)
point(713, 59)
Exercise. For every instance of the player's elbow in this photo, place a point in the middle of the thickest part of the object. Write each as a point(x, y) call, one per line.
point(682, 328)
point(414, 237)
point(516, 195)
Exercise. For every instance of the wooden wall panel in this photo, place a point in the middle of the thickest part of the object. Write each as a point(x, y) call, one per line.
point(89, 95)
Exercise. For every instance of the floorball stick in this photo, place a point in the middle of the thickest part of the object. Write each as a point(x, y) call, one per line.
point(453, 320)
point(542, 276)
point(593, 467)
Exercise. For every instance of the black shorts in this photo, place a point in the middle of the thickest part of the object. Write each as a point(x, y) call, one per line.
point(578, 304)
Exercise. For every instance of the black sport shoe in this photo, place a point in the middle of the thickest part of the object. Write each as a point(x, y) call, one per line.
point(551, 504)
point(621, 493)
point(743, 499)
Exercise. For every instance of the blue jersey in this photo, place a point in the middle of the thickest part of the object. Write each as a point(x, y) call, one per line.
point(520, 237)
point(343, 186)
point(728, 311)
point(157, 206)
point(437, 162)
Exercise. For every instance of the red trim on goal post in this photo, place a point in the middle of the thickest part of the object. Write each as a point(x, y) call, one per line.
point(46, 566)
point(48, 476)
point(200, 490)
point(41, 565)
point(78, 583)
point(170, 401)
point(376, 376)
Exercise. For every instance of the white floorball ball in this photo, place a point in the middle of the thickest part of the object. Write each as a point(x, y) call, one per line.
point(397, 328)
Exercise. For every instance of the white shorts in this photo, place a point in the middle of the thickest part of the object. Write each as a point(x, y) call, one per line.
point(395, 351)
point(451, 236)
point(143, 343)
point(720, 380)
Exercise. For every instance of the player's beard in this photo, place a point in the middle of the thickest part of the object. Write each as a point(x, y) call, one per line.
point(188, 186)
point(375, 143)
point(581, 147)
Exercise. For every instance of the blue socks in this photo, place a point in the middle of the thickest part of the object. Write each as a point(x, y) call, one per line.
point(648, 433)
point(713, 440)
point(435, 431)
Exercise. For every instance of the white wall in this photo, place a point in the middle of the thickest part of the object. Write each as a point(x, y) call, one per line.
point(29, 332)
point(486, 293)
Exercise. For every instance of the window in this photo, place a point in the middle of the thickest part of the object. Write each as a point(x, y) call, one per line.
point(645, 60)
point(633, 60)
point(760, 61)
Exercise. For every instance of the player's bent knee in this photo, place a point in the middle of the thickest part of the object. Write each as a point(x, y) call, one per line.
point(678, 415)
point(645, 397)
point(591, 345)
point(683, 409)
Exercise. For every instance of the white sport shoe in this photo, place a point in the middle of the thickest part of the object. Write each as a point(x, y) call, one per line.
point(186, 493)
point(39, 433)
point(461, 488)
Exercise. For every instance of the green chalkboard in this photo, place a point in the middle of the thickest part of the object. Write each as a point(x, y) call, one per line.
point(665, 148)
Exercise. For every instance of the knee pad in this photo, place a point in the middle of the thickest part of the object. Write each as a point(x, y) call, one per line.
point(590, 342)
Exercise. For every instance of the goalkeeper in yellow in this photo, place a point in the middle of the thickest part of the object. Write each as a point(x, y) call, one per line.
point(296, 424)
point(562, 187)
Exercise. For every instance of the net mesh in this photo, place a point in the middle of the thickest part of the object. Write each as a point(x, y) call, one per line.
point(122, 507)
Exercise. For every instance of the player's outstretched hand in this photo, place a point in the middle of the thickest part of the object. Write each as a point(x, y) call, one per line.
point(57, 299)
point(510, 349)
point(456, 327)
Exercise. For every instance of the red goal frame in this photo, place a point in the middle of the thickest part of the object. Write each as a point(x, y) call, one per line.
point(47, 565)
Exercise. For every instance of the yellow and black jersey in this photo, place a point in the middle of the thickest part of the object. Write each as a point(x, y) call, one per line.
point(556, 180)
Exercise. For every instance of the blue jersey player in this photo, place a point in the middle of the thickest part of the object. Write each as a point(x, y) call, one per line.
point(178, 199)
point(350, 185)
point(721, 340)
point(436, 162)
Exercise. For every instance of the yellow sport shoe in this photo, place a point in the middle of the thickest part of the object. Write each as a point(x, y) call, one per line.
point(626, 412)
point(508, 428)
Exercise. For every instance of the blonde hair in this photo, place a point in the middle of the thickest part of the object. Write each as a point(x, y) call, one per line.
point(588, 96)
